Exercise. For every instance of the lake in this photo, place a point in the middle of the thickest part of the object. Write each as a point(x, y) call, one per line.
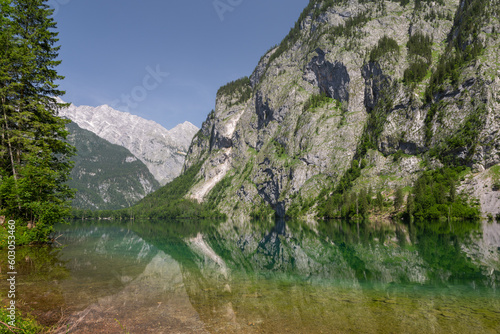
point(265, 277)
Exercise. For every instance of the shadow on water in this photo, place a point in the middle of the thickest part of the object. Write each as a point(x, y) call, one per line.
point(271, 245)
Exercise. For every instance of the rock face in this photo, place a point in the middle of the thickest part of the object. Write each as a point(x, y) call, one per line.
point(106, 176)
point(332, 79)
point(280, 149)
point(375, 81)
point(162, 151)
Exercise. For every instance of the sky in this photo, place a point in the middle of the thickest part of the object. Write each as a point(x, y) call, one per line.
point(164, 60)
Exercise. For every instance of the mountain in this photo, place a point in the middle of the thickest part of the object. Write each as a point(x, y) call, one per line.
point(162, 151)
point(394, 98)
point(106, 176)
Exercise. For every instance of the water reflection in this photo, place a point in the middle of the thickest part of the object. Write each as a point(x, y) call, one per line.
point(40, 273)
point(234, 277)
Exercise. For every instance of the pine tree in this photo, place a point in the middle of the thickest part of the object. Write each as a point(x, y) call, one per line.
point(369, 196)
point(363, 202)
point(453, 191)
point(5, 65)
point(380, 201)
point(34, 158)
point(410, 205)
point(398, 199)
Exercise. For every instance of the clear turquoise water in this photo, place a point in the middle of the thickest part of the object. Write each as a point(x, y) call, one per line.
point(266, 277)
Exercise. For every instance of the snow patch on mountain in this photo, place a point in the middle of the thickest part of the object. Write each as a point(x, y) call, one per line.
point(162, 151)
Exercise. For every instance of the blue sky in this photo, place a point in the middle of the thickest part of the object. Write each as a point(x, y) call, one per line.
point(164, 60)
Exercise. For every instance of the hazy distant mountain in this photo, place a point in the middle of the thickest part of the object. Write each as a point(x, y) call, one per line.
point(106, 176)
point(162, 151)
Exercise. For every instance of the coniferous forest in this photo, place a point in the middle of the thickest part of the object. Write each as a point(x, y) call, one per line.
point(34, 156)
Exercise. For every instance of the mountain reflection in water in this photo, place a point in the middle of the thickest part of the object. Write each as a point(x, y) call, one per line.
point(266, 277)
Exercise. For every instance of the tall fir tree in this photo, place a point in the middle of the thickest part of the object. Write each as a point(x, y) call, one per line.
point(34, 156)
point(398, 198)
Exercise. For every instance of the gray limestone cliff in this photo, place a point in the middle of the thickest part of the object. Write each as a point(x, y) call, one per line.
point(419, 79)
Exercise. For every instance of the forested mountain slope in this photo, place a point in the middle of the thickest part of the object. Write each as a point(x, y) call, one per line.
point(106, 176)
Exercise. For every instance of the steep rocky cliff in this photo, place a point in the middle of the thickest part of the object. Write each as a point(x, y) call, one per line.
point(403, 86)
point(162, 151)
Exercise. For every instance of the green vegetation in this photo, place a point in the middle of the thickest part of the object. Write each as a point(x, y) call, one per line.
point(299, 206)
point(25, 323)
point(168, 202)
point(435, 197)
point(384, 46)
point(326, 4)
point(402, 2)
point(216, 195)
point(350, 29)
point(34, 158)
point(434, 15)
point(496, 185)
point(466, 138)
point(397, 156)
point(376, 121)
point(262, 212)
point(464, 47)
point(495, 175)
point(318, 101)
point(339, 202)
point(416, 72)
point(280, 149)
point(419, 3)
point(398, 199)
point(100, 164)
point(240, 88)
point(420, 45)
point(437, 242)
point(420, 57)
point(348, 204)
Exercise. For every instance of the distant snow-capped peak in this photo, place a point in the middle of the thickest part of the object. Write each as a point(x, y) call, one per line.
point(163, 151)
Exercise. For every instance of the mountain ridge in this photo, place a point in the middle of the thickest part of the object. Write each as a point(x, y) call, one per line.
point(361, 97)
point(106, 176)
point(163, 151)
